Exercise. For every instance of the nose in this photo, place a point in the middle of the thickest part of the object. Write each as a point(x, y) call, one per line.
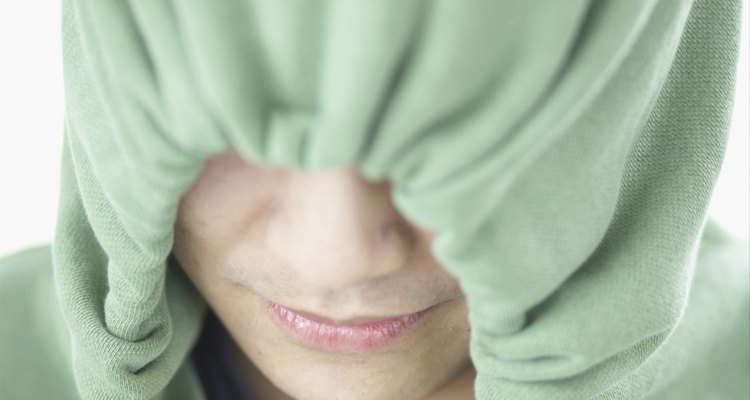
point(335, 229)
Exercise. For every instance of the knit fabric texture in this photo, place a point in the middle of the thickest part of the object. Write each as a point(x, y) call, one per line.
point(563, 152)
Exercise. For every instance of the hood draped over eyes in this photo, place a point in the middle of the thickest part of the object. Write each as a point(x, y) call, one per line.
point(563, 152)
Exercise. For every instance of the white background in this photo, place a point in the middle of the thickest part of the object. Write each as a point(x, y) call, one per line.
point(31, 122)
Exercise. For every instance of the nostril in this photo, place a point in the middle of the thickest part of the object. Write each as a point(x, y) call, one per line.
point(395, 245)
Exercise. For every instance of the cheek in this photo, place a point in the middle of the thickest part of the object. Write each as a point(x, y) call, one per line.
point(227, 196)
point(222, 207)
point(213, 214)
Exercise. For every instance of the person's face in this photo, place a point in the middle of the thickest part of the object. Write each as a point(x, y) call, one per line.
point(330, 245)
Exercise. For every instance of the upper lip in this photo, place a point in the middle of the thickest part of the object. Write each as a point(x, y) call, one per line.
point(353, 320)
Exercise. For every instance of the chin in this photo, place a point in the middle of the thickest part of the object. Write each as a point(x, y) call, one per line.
point(397, 375)
point(363, 385)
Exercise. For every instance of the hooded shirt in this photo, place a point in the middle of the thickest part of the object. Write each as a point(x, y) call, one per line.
point(564, 153)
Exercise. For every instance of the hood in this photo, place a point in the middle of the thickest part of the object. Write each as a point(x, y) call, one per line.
point(563, 153)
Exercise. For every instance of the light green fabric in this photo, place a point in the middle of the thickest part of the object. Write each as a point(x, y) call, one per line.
point(564, 152)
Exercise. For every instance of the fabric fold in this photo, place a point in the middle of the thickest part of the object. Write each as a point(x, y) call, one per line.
point(564, 154)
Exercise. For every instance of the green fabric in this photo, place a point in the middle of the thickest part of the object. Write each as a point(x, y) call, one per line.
point(692, 365)
point(564, 152)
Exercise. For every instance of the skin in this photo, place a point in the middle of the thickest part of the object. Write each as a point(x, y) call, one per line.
point(332, 244)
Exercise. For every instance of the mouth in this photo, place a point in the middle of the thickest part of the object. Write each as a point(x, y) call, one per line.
point(354, 335)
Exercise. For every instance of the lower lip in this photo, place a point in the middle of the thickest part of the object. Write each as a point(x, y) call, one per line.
point(357, 338)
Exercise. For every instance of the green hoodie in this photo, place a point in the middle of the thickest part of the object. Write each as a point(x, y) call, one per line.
point(564, 153)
